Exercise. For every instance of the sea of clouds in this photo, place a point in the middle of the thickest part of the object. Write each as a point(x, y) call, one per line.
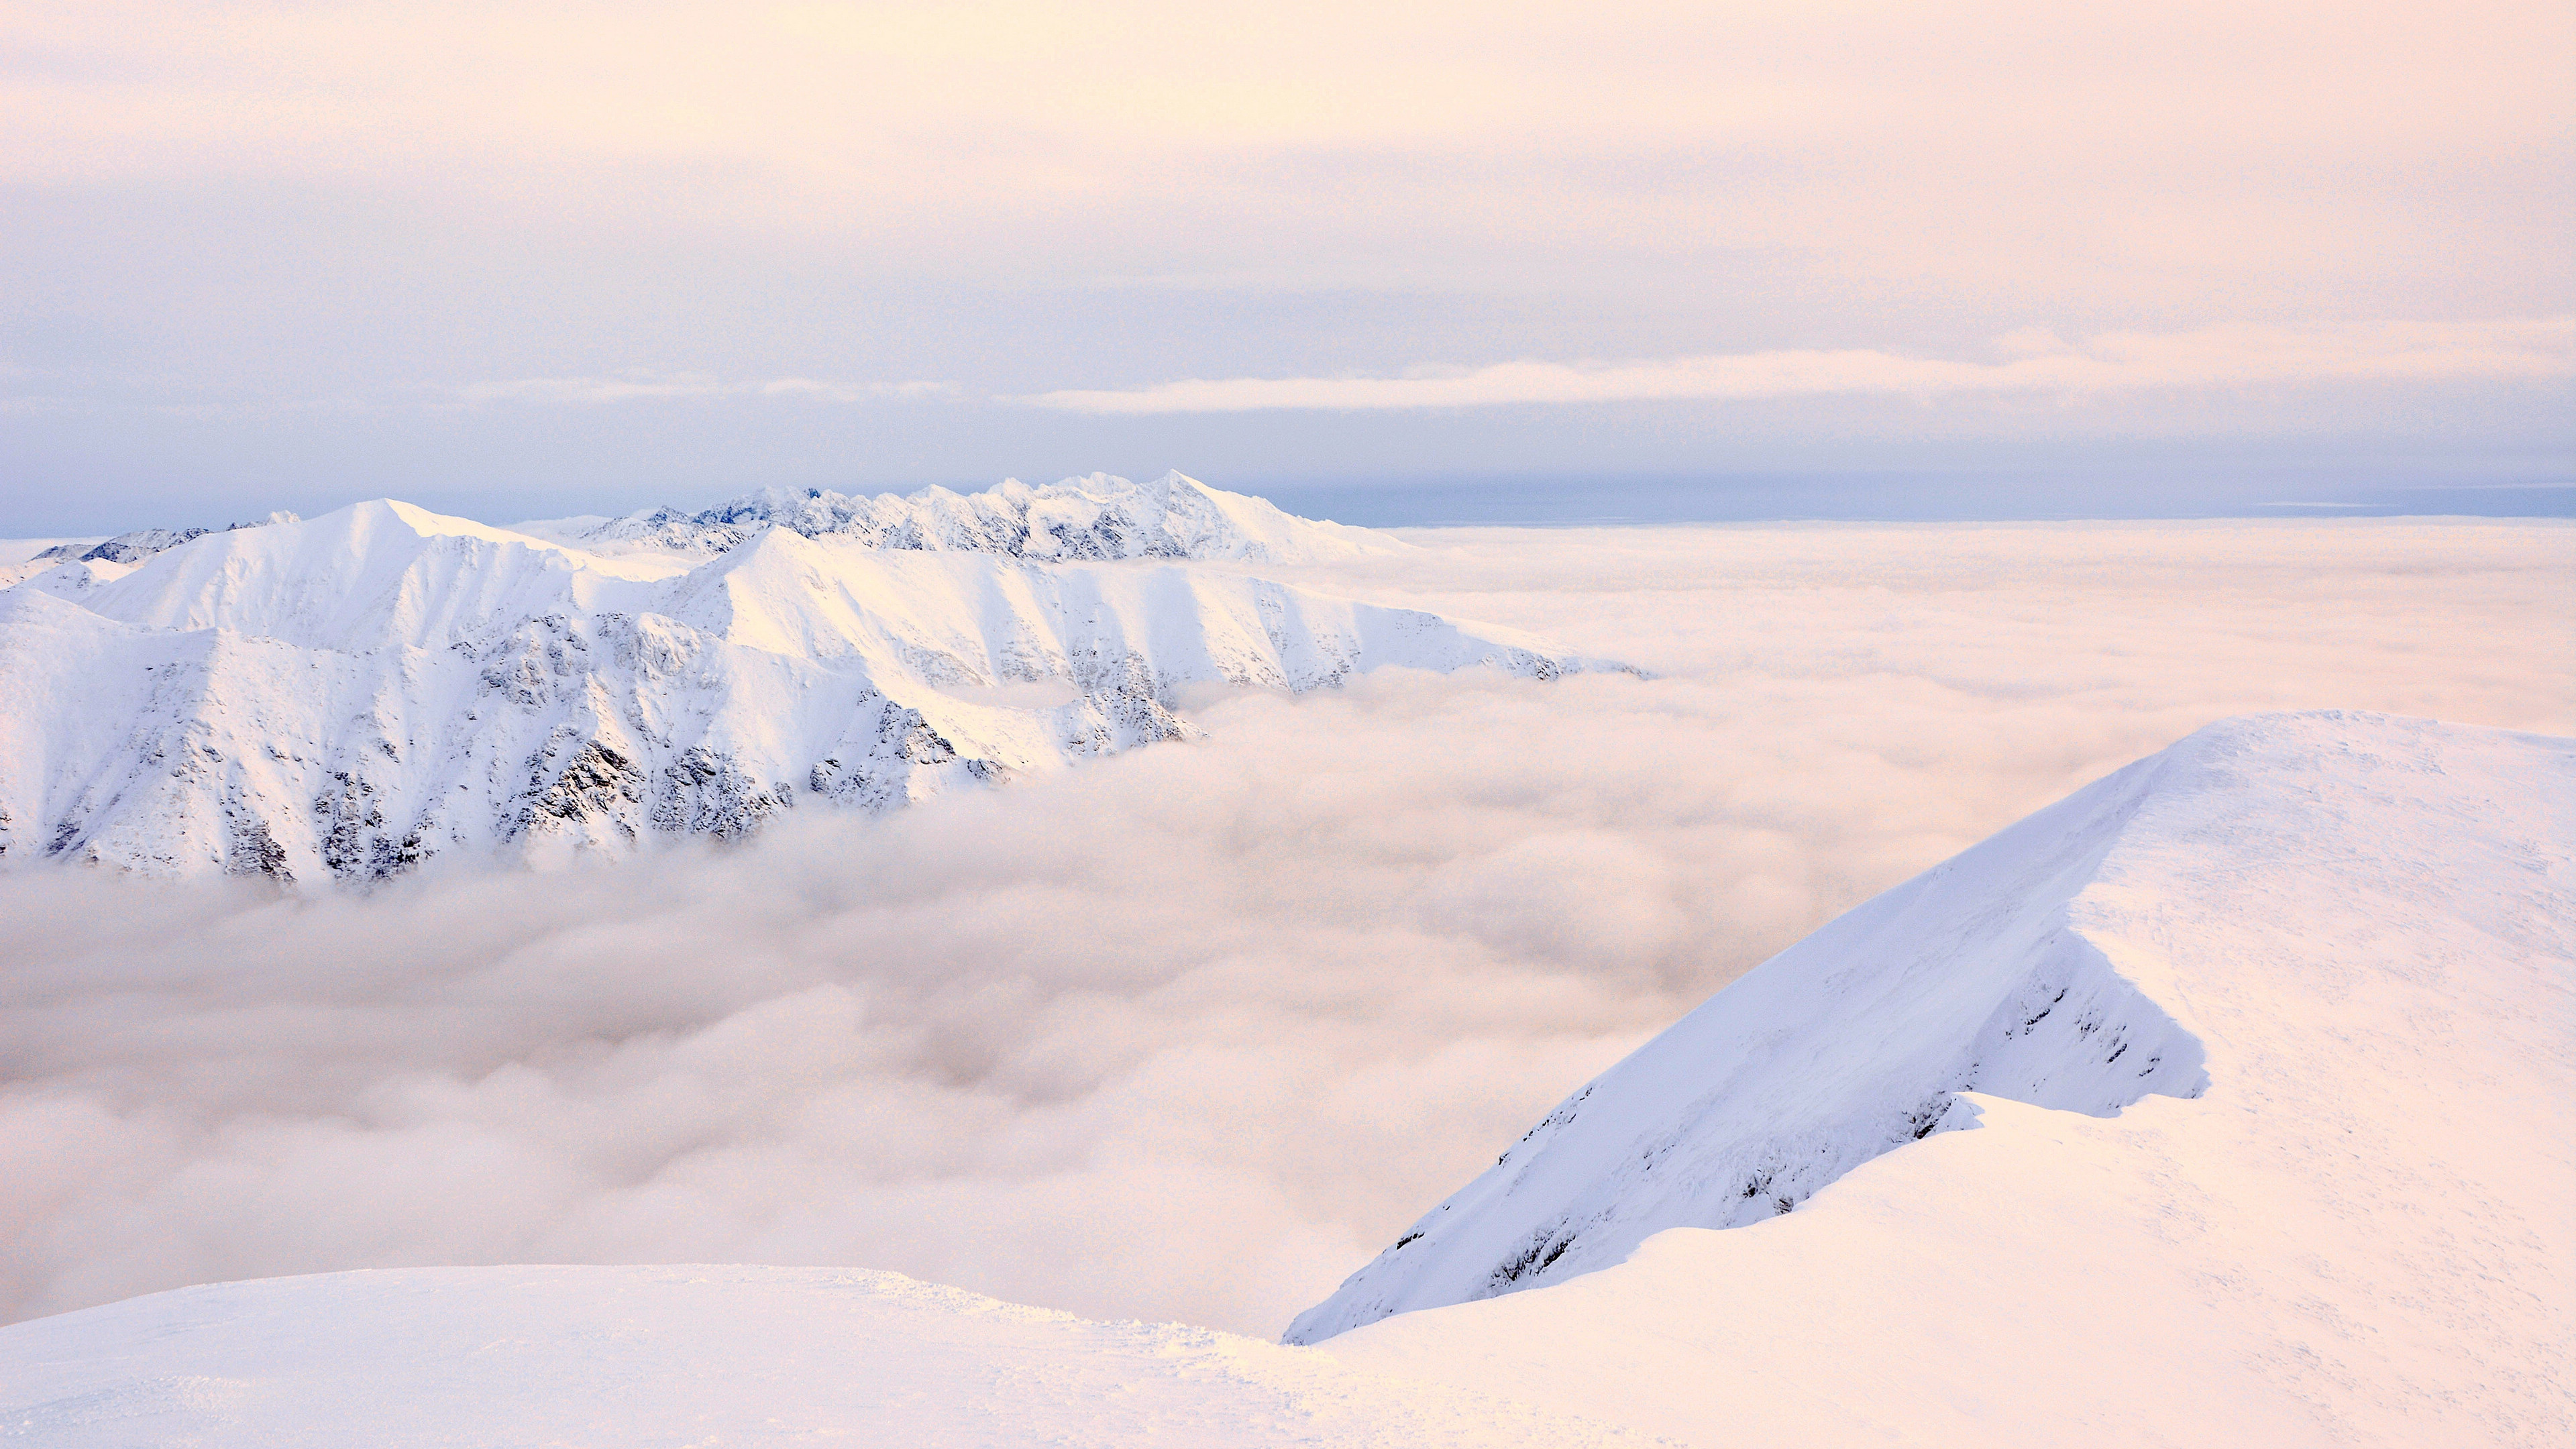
point(1189, 1033)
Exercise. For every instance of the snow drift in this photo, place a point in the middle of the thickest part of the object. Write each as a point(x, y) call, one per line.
point(346, 697)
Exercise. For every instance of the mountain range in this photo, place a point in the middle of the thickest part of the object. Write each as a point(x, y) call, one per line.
point(348, 696)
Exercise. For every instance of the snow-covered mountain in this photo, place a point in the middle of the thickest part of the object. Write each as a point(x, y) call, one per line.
point(345, 696)
point(2357, 1234)
point(68, 568)
point(1992, 974)
point(1091, 518)
point(2336, 1216)
point(1857, 1040)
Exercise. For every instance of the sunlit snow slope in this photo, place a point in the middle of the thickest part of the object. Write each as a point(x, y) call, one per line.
point(1973, 976)
point(2352, 937)
point(345, 696)
point(643, 1357)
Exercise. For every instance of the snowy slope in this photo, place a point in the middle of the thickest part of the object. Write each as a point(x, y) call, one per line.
point(2357, 1233)
point(691, 1356)
point(78, 563)
point(1094, 517)
point(63, 578)
point(22, 559)
point(1855, 1041)
point(346, 696)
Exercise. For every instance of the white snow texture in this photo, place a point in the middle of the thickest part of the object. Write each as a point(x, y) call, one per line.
point(694, 1356)
point(2357, 1235)
point(1971, 977)
point(346, 697)
point(1090, 518)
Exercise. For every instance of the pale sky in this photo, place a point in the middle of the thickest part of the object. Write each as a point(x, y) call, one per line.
point(533, 258)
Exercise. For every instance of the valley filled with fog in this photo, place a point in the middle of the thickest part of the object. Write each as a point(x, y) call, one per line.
point(1191, 1031)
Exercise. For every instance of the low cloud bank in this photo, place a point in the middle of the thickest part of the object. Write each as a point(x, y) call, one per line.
point(1189, 1033)
point(2029, 361)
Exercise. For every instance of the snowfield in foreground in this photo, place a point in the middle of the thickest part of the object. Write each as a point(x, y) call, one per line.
point(2343, 1222)
point(345, 697)
point(699, 1356)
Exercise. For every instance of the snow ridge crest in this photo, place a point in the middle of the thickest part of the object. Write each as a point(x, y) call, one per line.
point(1095, 517)
point(1975, 977)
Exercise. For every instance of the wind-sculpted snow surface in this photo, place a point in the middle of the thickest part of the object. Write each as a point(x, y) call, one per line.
point(1975, 976)
point(1095, 517)
point(695, 1356)
point(347, 696)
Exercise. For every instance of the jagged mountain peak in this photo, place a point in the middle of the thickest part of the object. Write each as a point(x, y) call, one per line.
point(1094, 517)
point(71, 569)
point(380, 573)
point(136, 545)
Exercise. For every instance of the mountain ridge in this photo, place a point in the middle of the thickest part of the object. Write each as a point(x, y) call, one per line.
point(345, 697)
point(1097, 517)
point(1977, 976)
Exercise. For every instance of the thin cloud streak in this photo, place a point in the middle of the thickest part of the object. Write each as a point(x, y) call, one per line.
point(2033, 360)
point(641, 386)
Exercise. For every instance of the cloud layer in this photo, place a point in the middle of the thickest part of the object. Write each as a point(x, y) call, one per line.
point(1192, 1032)
point(2033, 361)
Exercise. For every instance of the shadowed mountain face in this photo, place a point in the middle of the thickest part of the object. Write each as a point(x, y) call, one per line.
point(348, 696)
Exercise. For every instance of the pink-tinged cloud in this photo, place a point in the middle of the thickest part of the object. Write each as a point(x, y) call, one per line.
point(2033, 361)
